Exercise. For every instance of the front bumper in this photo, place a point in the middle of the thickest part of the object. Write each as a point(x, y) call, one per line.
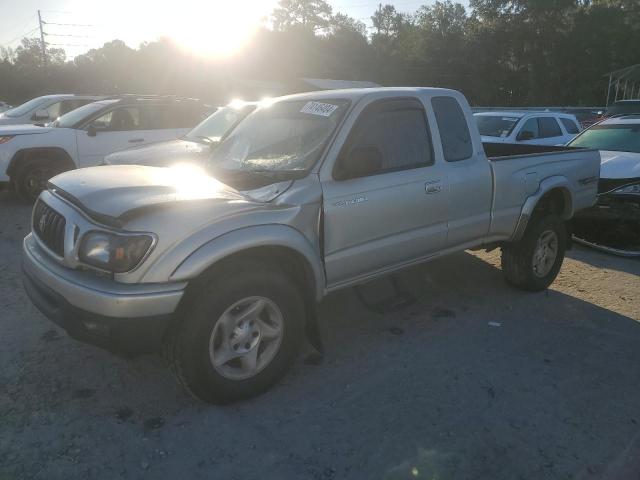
point(613, 224)
point(119, 317)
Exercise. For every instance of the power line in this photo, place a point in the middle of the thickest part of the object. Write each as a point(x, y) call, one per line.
point(66, 35)
point(68, 44)
point(23, 25)
point(69, 24)
point(21, 36)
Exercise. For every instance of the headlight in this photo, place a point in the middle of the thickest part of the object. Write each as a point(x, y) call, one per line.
point(628, 190)
point(113, 252)
point(5, 138)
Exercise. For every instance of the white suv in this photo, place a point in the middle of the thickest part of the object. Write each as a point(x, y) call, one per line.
point(45, 109)
point(534, 128)
point(30, 155)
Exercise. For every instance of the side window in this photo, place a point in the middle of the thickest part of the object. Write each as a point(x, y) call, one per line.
point(55, 110)
point(570, 126)
point(549, 127)
point(529, 130)
point(119, 120)
point(454, 131)
point(69, 105)
point(398, 130)
point(172, 116)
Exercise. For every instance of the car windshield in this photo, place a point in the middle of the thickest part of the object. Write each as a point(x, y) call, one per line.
point(26, 107)
point(284, 138)
point(621, 138)
point(71, 119)
point(495, 126)
point(216, 126)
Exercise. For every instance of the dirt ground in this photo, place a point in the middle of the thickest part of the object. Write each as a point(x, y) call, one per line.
point(475, 380)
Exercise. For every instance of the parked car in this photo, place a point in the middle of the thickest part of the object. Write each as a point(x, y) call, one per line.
point(310, 194)
point(533, 128)
point(4, 106)
point(614, 222)
point(31, 154)
point(623, 107)
point(195, 146)
point(41, 110)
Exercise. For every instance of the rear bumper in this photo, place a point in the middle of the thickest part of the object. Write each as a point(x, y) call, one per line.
point(129, 319)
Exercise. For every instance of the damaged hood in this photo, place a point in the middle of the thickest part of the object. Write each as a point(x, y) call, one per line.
point(161, 154)
point(115, 194)
point(617, 165)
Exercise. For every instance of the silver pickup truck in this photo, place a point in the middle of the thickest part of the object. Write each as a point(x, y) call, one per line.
point(222, 268)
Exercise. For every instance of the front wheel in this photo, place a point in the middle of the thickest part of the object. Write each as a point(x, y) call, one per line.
point(239, 334)
point(32, 178)
point(533, 263)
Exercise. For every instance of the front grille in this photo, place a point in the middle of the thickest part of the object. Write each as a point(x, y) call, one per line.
point(49, 226)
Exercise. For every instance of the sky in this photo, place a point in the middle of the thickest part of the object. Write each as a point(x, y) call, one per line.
point(221, 26)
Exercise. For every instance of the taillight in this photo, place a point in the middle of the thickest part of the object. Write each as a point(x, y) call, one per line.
point(5, 138)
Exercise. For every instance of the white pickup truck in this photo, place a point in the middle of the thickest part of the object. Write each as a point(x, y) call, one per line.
point(311, 193)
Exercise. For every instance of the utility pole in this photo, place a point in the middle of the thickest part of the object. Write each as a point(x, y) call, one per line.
point(42, 44)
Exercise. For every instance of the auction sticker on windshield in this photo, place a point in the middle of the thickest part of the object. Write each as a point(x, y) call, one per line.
point(317, 108)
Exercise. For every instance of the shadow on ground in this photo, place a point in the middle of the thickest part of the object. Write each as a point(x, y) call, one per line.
point(549, 389)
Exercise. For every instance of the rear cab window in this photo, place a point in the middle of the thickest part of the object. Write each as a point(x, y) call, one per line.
point(453, 128)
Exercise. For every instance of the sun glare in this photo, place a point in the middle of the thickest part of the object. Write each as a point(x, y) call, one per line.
point(213, 28)
point(217, 28)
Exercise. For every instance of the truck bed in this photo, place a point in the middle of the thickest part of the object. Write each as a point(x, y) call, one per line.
point(530, 165)
point(502, 151)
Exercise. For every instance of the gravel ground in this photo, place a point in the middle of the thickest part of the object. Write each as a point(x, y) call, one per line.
point(475, 380)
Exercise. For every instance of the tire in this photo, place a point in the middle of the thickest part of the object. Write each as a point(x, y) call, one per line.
point(32, 177)
point(527, 267)
point(191, 346)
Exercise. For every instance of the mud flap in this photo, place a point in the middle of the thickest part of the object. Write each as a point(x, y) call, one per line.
point(312, 329)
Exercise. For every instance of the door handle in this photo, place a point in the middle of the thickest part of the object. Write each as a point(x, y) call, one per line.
point(433, 186)
point(136, 140)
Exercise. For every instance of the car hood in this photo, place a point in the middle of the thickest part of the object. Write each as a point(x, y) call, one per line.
point(160, 154)
point(27, 129)
point(615, 165)
point(114, 195)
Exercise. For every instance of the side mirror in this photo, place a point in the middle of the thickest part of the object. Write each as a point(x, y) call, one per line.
point(91, 131)
point(40, 115)
point(360, 162)
point(526, 135)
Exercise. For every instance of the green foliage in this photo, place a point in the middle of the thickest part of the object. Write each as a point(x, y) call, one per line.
point(499, 52)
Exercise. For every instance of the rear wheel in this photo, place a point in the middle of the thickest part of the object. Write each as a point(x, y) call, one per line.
point(238, 335)
point(32, 177)
point(533, 263)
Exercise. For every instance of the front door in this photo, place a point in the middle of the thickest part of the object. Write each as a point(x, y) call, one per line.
point(117, 129)
point(391, 215)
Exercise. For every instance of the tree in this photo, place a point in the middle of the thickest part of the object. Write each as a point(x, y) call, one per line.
point(386, 21)
point(309, 15)
point(343, 25)
point(29, 54)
